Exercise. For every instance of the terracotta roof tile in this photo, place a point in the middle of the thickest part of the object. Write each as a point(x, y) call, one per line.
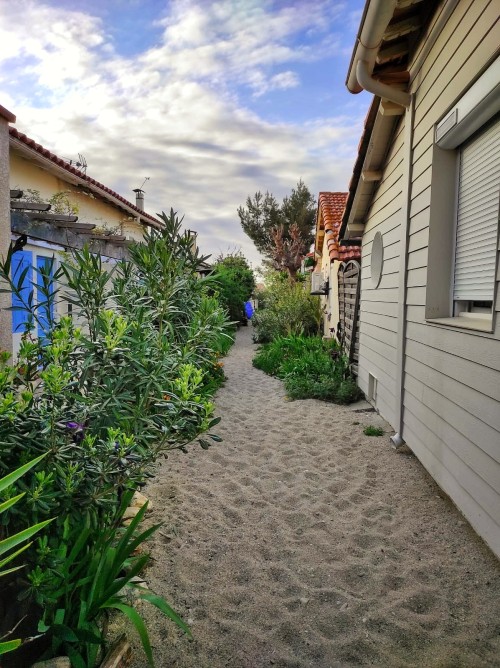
point(96, 186)
point(331, 207)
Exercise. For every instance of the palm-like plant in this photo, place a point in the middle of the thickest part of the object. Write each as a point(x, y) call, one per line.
point(8, 545)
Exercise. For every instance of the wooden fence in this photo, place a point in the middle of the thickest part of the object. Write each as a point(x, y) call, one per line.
point(349, 286)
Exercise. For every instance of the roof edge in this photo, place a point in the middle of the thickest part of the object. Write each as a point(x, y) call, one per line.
point(95, 186)
point(358, 165)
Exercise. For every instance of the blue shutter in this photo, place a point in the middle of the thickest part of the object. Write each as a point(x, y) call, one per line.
point(21, 261)
point(45, 317)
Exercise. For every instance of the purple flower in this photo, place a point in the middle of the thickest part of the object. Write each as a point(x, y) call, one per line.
point(78, 430)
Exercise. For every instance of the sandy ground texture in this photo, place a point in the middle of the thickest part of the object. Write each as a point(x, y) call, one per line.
point(299, 541)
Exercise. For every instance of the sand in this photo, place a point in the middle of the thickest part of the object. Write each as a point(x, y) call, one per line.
point(299, 541)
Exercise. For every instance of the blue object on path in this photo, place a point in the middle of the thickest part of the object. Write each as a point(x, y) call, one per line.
point(248, 309)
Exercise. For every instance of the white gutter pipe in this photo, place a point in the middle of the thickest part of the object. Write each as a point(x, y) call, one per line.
point(367, 82)
point(378, 15)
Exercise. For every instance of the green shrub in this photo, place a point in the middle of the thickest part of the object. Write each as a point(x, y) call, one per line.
point(235, 283)
point(285, 308)
point(308, 368)
point(370, 430)
point(129, 377)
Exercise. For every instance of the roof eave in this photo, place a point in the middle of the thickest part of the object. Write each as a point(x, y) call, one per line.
point(78, 178)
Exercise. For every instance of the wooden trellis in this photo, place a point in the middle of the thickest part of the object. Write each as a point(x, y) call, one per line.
point(349, 287)
point(33, 219)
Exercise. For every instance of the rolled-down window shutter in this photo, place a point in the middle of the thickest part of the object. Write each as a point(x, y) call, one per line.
point(477, 217)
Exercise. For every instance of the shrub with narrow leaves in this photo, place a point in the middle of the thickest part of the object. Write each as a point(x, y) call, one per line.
point(127, 378)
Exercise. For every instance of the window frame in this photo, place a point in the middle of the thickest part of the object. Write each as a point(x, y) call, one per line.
point(472, 115)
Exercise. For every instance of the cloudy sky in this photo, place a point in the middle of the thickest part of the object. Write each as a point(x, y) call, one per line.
point(211, 99)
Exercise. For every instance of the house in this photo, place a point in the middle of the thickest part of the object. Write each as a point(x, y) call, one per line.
point(331, 254)
point(83, 211)
point(424, 200)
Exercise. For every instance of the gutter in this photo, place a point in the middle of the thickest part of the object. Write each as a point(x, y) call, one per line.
point(358, 166)
point(377, 17)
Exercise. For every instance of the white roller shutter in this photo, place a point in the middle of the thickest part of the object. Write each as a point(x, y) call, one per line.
point(477, 217)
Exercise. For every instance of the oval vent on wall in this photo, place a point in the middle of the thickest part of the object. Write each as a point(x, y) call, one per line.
point(377, 259)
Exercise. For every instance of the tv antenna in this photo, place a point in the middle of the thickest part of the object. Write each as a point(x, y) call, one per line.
point(81, 163)
point(146, 179)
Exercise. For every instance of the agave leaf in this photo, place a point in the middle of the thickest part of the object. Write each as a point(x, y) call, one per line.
point(10, 502)
point(9, 646)
point(11, 478)
point(162, 605)
point(138, 622)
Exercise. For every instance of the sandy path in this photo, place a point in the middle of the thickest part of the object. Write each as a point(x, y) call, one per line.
point(299, 541)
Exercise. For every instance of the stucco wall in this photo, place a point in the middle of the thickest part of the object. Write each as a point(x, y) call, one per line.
point(330, 302)
point(27, 175)
point(5, 316)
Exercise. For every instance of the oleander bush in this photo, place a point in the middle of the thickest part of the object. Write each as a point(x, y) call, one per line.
point(310, 367)
point(126, 379)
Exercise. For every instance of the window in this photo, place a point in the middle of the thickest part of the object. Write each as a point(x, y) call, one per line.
point(22, 276)
point(22, 272)
point(45, 273)
point(464, 209)
point(476, 239)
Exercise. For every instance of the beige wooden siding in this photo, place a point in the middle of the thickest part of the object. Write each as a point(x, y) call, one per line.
point(452, 377)
point(378, 324)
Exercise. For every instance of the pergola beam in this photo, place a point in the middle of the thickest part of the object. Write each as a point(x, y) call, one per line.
point(51, 217)
point(30, 206)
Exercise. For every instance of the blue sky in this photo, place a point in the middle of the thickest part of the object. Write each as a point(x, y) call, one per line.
point(212, 100)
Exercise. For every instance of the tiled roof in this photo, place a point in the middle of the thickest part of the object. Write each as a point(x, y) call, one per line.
point(94, 185)
point(331, 207)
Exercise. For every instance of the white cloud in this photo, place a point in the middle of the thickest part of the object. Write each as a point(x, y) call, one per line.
point(174, 112)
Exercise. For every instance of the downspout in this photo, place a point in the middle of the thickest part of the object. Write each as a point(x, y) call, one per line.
point(378, 15)
point(367, 82)
point(397, 439)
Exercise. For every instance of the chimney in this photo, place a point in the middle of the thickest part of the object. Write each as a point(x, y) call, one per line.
point(193, 236)
point(139, 198)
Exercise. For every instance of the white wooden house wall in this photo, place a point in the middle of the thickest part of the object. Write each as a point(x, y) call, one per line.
point(451, 416)
point(378, 306)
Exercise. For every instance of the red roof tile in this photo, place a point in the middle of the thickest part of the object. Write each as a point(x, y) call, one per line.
point(331, 207)
point(95, 186)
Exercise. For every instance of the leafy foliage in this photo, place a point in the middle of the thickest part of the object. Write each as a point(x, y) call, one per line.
point(8, 545)
point(370, 430)
point(285, 308)
point(310, 368)
point(97, 577)
point(235, 283)
point(127, 378)
point(283, 234)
